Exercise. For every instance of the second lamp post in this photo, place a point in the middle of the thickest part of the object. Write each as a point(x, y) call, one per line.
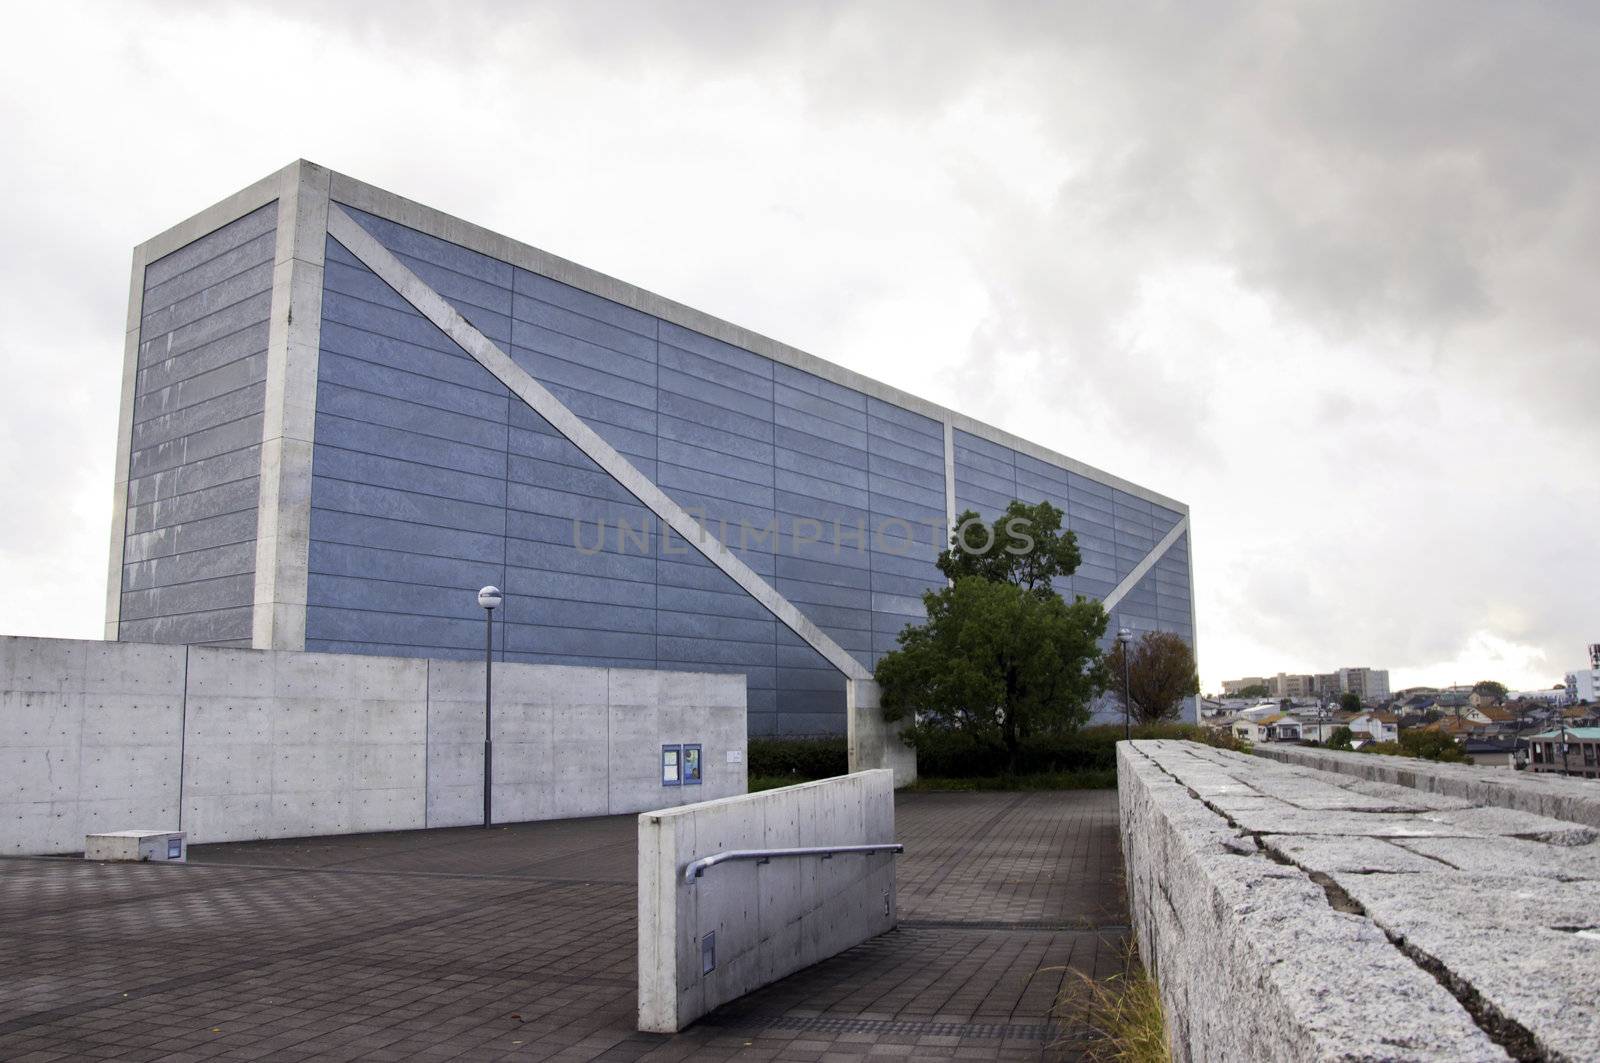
point(1125, 637)
point(489, 598)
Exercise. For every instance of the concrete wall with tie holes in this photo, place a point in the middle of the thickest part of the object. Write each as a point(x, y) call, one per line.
point(234, 744)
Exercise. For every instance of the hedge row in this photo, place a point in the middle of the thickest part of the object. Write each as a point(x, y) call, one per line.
point(800, 758)
point(948, 755)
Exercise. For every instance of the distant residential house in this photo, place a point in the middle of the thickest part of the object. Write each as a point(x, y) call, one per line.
point(1499, 715)
point(1379, 726)
point(1408, 716)
point(1457, 727)
point(1581, 715)
point(1281, 729)
point(1261, 710)
point(1248, 728)
point(1491, 752)
point(1320, 728)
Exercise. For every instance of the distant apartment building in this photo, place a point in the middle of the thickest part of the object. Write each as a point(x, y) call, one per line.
point(1293, 686)
point(1556, 696)
point(1369, 684)
point(1584, 685)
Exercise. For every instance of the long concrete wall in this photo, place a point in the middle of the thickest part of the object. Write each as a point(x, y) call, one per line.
point(768, 920)
point(1576, 800)
point(1288, 913)
point(232, 744)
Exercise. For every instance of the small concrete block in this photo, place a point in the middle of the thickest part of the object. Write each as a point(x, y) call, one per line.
point(154, 846)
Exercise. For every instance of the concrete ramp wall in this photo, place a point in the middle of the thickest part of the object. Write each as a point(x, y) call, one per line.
point(234, 745)
point(754, 923)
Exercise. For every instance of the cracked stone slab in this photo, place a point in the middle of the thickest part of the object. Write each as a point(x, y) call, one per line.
point(1360, 856)
point(1287, 819)
point(1252, 960)
point(1512, 823)
point(1517, 856)
point(1514, 939)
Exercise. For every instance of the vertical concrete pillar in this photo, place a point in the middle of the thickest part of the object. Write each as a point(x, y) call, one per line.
point(873, 741)
point(119, 487)
point(283, 529)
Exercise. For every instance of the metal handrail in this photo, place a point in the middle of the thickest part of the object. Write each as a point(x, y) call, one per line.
point(762, 856)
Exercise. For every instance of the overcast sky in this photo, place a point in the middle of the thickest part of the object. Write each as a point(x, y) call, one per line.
point(1327, 273)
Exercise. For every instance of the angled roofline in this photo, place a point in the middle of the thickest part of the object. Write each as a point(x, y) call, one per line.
point(399, 209)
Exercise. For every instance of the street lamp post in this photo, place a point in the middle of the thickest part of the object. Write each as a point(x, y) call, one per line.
point(489, 598)
point(1125, 637)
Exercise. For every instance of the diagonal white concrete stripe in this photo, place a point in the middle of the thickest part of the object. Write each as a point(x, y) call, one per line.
point(1131, 580)
point(431, 305)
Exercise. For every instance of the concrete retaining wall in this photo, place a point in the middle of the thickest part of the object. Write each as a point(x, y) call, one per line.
point(91, 739)
point(1575, 800)
point(230, 745)
point(1289, 913)
point(771, 919)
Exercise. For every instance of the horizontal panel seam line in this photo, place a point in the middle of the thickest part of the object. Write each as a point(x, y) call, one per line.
point(347, 231)
point(145, 314)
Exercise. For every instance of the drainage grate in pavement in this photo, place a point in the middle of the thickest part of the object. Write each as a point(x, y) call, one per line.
point(906, 1027)
point(1001, 924)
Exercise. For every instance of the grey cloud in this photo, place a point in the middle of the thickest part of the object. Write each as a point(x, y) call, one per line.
point(1385, 424)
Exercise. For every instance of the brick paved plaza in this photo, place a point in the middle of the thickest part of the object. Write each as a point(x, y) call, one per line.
point(518, 943)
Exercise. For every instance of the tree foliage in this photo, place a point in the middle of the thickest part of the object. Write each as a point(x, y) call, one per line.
point(1350, 701)
point(1254, 690)
point(1026, 546)
point(1423, 745)
point(1161, 673)
point(1490, 689)
point(1002, 657)
point(1340, 738)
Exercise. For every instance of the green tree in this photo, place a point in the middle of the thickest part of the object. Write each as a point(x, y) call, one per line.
point(1254, 690)
point(1491, 689)
point(1161, 674)
point(1350, 702)
point(1432, 745)
point(1340, 739)
point(1002, 657)
point(1025, 546)
point(1423, 745)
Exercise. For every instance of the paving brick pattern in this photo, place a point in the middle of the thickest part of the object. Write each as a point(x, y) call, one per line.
point(519, 943)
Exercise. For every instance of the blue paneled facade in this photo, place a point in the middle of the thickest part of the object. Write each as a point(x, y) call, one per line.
point(189, 552)
point(1115, 531)
point(431, 477)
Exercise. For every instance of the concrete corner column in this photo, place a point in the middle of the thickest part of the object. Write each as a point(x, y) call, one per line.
point(119, 488)
point(283, 522)
point(875, 742)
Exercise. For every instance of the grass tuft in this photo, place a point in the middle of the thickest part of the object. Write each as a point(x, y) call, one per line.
point(1116, 1019)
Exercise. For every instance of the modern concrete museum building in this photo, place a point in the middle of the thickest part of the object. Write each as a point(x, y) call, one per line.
point(344, 412)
